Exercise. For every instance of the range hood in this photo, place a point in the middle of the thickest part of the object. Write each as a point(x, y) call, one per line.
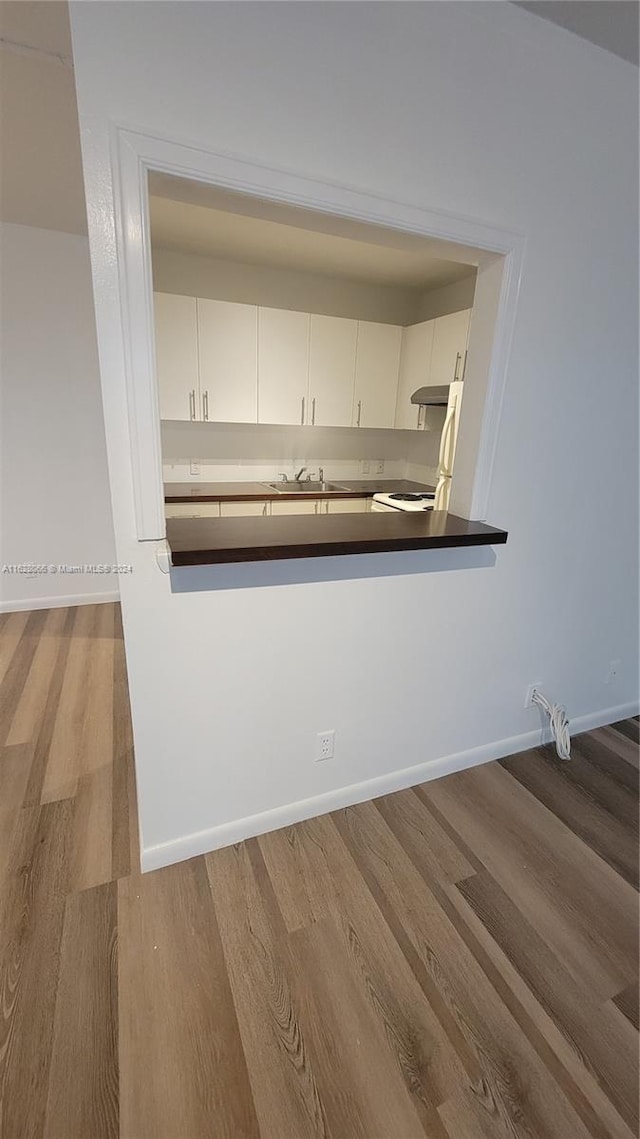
point(436, 396)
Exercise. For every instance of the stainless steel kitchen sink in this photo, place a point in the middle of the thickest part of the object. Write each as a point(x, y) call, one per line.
point(306, 486)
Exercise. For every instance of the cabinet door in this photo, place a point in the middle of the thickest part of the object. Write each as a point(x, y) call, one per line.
point(294, 506)
point(377, 362)
point(348, 505)
point(415, 365)
point(228, 354)
point(231, 509)
point(192, 510)
point(449, 347)
point(176, 356)
point(283, 366)
point(332, 368)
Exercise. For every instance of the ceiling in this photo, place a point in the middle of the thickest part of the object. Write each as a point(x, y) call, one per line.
point(611, 24)
point(41, 180)
point(365, 253)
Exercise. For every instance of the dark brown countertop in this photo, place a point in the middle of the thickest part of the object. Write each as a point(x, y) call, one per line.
point(251, 491)
point(210, 541)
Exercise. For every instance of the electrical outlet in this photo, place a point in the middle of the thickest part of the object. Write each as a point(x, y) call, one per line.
point(380, 466)
point(613, 671)
point(366, 466)
point(324, 745)
point(194, 467)
point(528, 700)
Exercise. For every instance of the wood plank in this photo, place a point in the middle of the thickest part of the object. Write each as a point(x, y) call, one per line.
point(559, 1056)
point(96, 749)
point(627, 1002)
point(64, 756)
point(91, 857)
point(362, 1092)
point(181, 1060)
point(606, 748)
point(15, 765)
point(575, 792)
point(513, 1076)
point(31, 921)
point(33, 793)
point(17, 669)
point(285, 1091)
point(629, 728)
point(83, 1078)
point(12, 630)
point(579, 905)
point(30, 707)
point(606, 1044)
point(428, 1061)
point(124, 806)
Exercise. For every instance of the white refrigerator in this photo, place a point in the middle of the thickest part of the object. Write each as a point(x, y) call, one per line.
point(448, 446)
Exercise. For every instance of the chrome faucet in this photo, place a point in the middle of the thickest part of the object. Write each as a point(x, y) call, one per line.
point(300, 474)
point(283, 477)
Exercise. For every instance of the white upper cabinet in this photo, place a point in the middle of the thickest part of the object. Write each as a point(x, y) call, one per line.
point(415, 372)
point(332, 368)
point(377, 363)
point(283, 366)
point(177, 356)
point(449, 347)
point(228, 351)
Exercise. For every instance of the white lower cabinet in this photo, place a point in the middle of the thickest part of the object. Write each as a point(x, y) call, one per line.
point(192, 510)
point(294, 506)
point(346, 505)
point(243, 509)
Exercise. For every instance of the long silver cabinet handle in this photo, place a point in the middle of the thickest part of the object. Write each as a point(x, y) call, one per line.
point(302, 414)
point(359, 412)
point(455, 370)
point(192, 404)
point(313, 411)
point(205, 406)
point(464, 366)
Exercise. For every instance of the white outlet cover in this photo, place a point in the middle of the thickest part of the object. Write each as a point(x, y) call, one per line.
point(324, 745)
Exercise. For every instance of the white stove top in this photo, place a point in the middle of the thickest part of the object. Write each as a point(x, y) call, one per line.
point(403, 501)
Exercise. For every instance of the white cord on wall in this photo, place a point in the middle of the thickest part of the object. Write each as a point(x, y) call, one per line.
point(559, 723)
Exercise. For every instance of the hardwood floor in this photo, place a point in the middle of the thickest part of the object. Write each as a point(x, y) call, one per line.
point(457, 961)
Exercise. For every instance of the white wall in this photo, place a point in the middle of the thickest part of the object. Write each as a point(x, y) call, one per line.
point(259, 450)
point(448, 298)
point(483, 111)
point(194, 276)
point(55, 507)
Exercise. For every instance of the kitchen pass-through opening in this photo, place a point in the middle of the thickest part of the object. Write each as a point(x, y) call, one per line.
point(304, 368)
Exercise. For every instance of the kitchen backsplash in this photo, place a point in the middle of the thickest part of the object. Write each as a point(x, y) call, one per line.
point(235, 451)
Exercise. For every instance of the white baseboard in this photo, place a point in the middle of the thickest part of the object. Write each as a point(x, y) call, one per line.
point(60, 602)
point(225, 834)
